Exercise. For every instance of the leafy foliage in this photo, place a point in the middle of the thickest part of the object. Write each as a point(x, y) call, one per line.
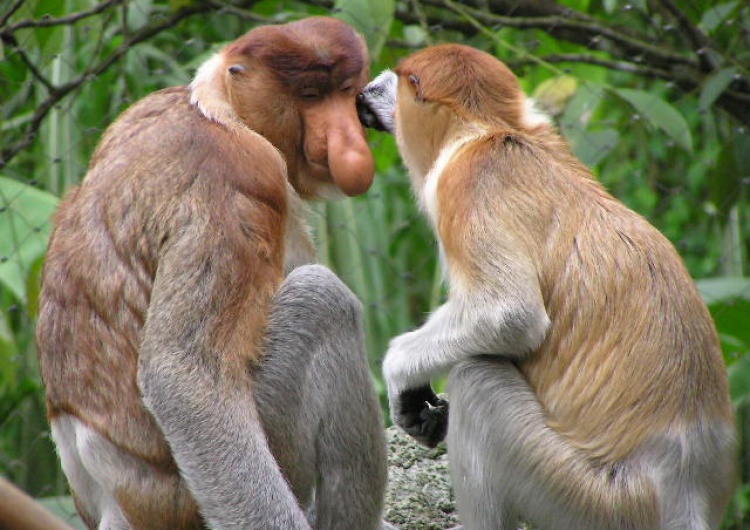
point(654, 96)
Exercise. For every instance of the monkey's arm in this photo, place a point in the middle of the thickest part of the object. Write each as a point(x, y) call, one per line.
point(211, 291)
point(492, 317)
point(455, 331)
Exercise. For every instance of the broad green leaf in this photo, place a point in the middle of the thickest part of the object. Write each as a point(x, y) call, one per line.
point(590, 146)
point(714, 87)
point(24, 230)
point(593, 146)
point(714, 16)
point(660, 113)
point(728, 299)
point(554, 93)
point(581, 107)
point(372, 18)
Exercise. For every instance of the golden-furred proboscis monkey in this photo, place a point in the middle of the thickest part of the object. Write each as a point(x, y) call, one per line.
point(586, 383)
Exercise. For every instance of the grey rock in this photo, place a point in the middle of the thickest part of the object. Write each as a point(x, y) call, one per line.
point(419, 494)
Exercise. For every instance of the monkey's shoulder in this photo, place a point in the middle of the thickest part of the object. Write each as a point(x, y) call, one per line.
point(500, 157)
point(165, 143)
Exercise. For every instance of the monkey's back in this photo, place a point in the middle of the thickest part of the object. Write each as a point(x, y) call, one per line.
point(632, 349)
point(154, 172)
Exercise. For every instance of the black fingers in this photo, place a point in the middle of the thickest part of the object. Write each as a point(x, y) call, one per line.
point(422, 415)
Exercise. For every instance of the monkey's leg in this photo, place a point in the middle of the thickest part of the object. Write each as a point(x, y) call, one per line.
point(317, 401)
point(505, 462)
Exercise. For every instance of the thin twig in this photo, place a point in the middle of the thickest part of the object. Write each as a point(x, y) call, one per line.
point(419, 11)
point(46, 22)
point(34, 70)
point(700, 42)
point(15, 7)
point(63, 90)
point(244, 14)
point(611, 64)
point(590, 28)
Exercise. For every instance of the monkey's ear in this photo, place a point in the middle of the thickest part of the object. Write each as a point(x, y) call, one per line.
point(416, 84)
point(236, 69)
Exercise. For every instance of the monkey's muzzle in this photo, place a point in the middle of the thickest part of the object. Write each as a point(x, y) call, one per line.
point(367, 116)
point(377, 102)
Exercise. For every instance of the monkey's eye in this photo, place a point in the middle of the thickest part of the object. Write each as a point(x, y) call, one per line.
point(414, 80)
point(309, 94)
point(236, 69)
point(348, 89)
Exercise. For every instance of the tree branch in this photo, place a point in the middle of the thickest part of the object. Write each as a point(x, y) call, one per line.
point(699, 41)
point(15, 7)
point(659, 62)
point(58, 93)
point(580, 30)
point(243, 14)
point(38, 75)
point(46, 22)
point(610, 64)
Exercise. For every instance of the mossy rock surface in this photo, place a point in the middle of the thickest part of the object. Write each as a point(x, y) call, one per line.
point(419, 495)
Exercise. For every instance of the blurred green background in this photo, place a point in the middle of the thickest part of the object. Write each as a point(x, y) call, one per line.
point(653, 95)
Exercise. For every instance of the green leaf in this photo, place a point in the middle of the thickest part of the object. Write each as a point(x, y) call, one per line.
point(414, 35)
point(713, 88)
point(24, 230)
point(728, 299)
point(714, 16)
point(554, 93)
point(591, 147)
point(372, 18)
point(739, 381)
point(609, 6)
point(660, 113)
point(8, 350)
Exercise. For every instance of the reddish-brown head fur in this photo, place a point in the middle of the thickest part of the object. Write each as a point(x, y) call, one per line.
point(472, 83)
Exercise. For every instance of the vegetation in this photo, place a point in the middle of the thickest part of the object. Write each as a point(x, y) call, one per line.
point(653, 94)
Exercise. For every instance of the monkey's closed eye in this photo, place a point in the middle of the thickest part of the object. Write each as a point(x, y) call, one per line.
point(236, 69)
point(309, 94)
point(414, 80)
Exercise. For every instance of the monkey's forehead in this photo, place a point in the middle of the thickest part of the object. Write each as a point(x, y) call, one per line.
point(318, 46)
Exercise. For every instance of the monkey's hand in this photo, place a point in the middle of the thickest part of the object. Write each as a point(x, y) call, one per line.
point(421, 414)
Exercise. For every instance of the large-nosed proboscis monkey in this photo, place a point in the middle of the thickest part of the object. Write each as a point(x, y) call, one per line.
point(195, 378)
point(586, 382)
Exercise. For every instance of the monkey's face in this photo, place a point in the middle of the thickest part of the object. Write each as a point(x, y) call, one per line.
point(395, 103)
point(298, 88)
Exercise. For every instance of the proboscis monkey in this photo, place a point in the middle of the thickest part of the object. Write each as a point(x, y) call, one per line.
point(191, 382)
point(587, 386)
